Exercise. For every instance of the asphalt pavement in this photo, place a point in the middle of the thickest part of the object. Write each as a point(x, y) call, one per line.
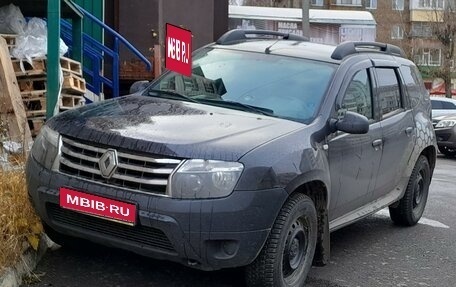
point(372, 252)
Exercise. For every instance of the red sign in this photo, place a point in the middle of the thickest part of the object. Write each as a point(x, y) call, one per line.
point(98, 206)
point(178, 50)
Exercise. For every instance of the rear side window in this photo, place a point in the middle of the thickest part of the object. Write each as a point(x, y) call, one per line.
point(358, 97)
point(413, 85)
point(389, 94)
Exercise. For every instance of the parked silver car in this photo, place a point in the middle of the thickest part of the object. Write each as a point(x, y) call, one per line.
point(442, 107)
point(445, 131)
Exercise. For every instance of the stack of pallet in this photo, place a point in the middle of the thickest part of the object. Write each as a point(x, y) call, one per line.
point(32, 83)
point(74, 85)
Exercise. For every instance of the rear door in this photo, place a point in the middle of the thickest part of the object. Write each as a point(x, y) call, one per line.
point(398, 129)
point(354, 159)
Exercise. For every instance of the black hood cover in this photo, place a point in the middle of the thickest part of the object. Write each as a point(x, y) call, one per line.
point(171, 128)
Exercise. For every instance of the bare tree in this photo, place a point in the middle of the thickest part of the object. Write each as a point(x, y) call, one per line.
point(443, 26)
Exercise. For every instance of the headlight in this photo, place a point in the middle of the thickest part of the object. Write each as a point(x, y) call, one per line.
point(446, 124)
point(205, 179)
point(46, 147)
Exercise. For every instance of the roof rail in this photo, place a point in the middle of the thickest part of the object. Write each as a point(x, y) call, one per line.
point(348, 48)
point(239, 35)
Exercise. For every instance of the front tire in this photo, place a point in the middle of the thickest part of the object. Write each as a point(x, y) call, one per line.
point(287, 255)
point(411, 207)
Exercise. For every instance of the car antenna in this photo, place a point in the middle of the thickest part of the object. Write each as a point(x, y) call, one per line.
point(268, 49)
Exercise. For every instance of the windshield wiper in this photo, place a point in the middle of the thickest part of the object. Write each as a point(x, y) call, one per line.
point(170, 95)
point(243, 107)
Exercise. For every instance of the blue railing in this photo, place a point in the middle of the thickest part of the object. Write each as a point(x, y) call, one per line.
point(97, 54)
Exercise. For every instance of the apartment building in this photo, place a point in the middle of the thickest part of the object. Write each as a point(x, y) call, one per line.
point(406, 23)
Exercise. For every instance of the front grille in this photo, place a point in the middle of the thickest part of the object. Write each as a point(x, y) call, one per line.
point(143, 235)
point(135, 172)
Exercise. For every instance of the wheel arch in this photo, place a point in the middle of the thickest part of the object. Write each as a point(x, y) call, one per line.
point(430, 153)
point(318, 192)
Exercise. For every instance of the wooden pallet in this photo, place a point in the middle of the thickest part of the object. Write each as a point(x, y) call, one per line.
point(11, 106)
point(68, 102)
point(35, 124)
point(35, 104)
point(33, 94)
point(70, 66)
point(32, 84)
point(73, 84)
point(36, 113)
point(10, 40)
point(38, 67)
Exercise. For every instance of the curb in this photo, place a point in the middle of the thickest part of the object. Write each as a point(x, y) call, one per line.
point(12, 277)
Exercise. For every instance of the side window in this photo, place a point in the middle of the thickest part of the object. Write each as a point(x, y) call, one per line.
point(389, 94)
point(358, 97)
point(412, 84)
point(436, 105)
point(448, 106)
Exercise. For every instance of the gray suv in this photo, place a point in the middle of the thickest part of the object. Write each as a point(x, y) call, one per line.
point(270, 145)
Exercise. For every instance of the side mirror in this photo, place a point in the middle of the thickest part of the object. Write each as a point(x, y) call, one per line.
point(138, 86)
point(352, 123)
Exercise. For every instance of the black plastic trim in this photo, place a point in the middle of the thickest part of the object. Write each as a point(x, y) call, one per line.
point(348, 48)
point(239, 35)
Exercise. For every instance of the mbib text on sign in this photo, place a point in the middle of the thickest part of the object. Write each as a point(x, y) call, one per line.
point(178, 50)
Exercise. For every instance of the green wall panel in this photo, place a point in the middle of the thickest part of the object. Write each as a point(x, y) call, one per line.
point(96, 8)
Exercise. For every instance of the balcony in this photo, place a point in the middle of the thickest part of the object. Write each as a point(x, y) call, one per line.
point(426, 10)
point(349, 3)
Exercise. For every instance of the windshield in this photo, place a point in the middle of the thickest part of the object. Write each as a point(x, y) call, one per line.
point(279, 86)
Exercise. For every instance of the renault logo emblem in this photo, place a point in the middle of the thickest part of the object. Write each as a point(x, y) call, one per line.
point(108, 163)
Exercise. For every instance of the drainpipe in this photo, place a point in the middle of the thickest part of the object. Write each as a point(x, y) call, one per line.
point(53, 57)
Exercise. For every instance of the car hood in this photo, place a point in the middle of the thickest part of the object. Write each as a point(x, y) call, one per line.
point(451, 117)
point(172, 128)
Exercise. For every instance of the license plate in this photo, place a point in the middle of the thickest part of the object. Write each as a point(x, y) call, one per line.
point(98, 206)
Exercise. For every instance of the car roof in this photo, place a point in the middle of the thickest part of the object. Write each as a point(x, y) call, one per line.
point(292, 45)
point(443, 99)
point(299, 49)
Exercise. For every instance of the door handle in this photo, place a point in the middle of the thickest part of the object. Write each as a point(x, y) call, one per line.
point(377, 144)
point(409, 131)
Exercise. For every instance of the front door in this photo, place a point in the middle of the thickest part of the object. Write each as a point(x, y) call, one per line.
point(354, 159)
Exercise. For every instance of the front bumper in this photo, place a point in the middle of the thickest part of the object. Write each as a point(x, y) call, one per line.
point(204, 234)
point(446, 137)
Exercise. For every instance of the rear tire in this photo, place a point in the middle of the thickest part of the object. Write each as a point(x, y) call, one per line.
point(287, 255)
point(411, 207)
point(447, 151)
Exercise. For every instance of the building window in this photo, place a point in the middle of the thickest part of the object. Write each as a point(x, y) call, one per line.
point(316, 2)
point(430, 4)
point(348, 2)
point(398, 5)
point(428, 57)
point(397, 32)
point(371, 4)
point(421, 29)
